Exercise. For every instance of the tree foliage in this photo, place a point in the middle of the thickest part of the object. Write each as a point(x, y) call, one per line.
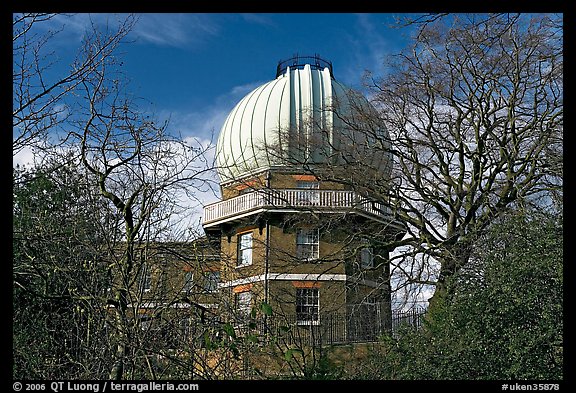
point(87, 234)
point(57, 276)
point(505, 320)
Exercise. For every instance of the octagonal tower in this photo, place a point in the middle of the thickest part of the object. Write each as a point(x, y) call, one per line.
point(288, 237)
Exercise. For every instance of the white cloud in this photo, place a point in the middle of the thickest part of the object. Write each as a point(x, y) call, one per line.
point(238, 92)
point(200, 129)
point(24, 158)
point(176, 30)
point(187, 202)
point(72, 27)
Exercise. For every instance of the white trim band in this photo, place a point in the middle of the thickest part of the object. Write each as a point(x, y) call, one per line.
point(285, 277)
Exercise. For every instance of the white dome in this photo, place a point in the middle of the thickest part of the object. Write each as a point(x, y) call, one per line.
point(298, 108)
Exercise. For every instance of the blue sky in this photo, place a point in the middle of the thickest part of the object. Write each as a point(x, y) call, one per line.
point(195, 67)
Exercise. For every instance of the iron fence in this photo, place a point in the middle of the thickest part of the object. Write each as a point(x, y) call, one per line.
point(334, 328)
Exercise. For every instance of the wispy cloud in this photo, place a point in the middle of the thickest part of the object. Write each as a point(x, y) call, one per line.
point(200, 128)
point(238, 92)
point(369, 46)
point(176, 30)
point(376, 45)
point(71, 28)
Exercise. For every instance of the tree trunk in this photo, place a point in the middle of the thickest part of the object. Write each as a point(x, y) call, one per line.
point(455, 257)
point(120, 335)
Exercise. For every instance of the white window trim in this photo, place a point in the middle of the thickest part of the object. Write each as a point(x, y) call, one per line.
point(245, 310)
point(308, 323)
point(185, 326)
point(240, 250)
point(315, 245)
point(300, 322)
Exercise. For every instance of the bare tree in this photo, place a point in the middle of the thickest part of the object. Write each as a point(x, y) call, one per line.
point(474, 110)
point(41, 101)
point(140, 169)
point(141, 180)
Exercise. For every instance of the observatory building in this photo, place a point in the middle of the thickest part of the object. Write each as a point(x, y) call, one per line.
point(292, 228)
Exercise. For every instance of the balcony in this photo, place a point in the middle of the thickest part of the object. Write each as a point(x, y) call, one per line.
point(294, 200)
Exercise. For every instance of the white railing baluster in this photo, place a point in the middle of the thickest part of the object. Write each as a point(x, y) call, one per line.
point(284, 198)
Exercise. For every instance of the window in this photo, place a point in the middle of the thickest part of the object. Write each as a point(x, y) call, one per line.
point(245, 190)
point(145, 278)
point(307, 306)
point(245, 249)
point(366, 258)
point(211, 280)
point(307, 244)
point(308, 197)
point(188, 281)
point(244, 304)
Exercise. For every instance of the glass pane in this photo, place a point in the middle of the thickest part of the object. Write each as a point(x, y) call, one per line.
point(244, 300)
point(188, 281)
point(307, 305)
point(245, 249)
point(307, 244)
point(308, 184)
point(212, 280)
point(366, 257)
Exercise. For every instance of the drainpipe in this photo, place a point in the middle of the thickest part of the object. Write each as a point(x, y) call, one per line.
point(267, 257)
point(266, 289)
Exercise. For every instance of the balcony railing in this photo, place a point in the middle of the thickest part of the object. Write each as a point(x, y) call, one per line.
point(292, 199)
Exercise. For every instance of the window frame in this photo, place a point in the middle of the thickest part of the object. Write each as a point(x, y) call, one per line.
point(303, 297)
point(243, 309)
point(145, 323)
point(308, 238)
point(185, 328)
point(188, 282)
point(242, 250)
